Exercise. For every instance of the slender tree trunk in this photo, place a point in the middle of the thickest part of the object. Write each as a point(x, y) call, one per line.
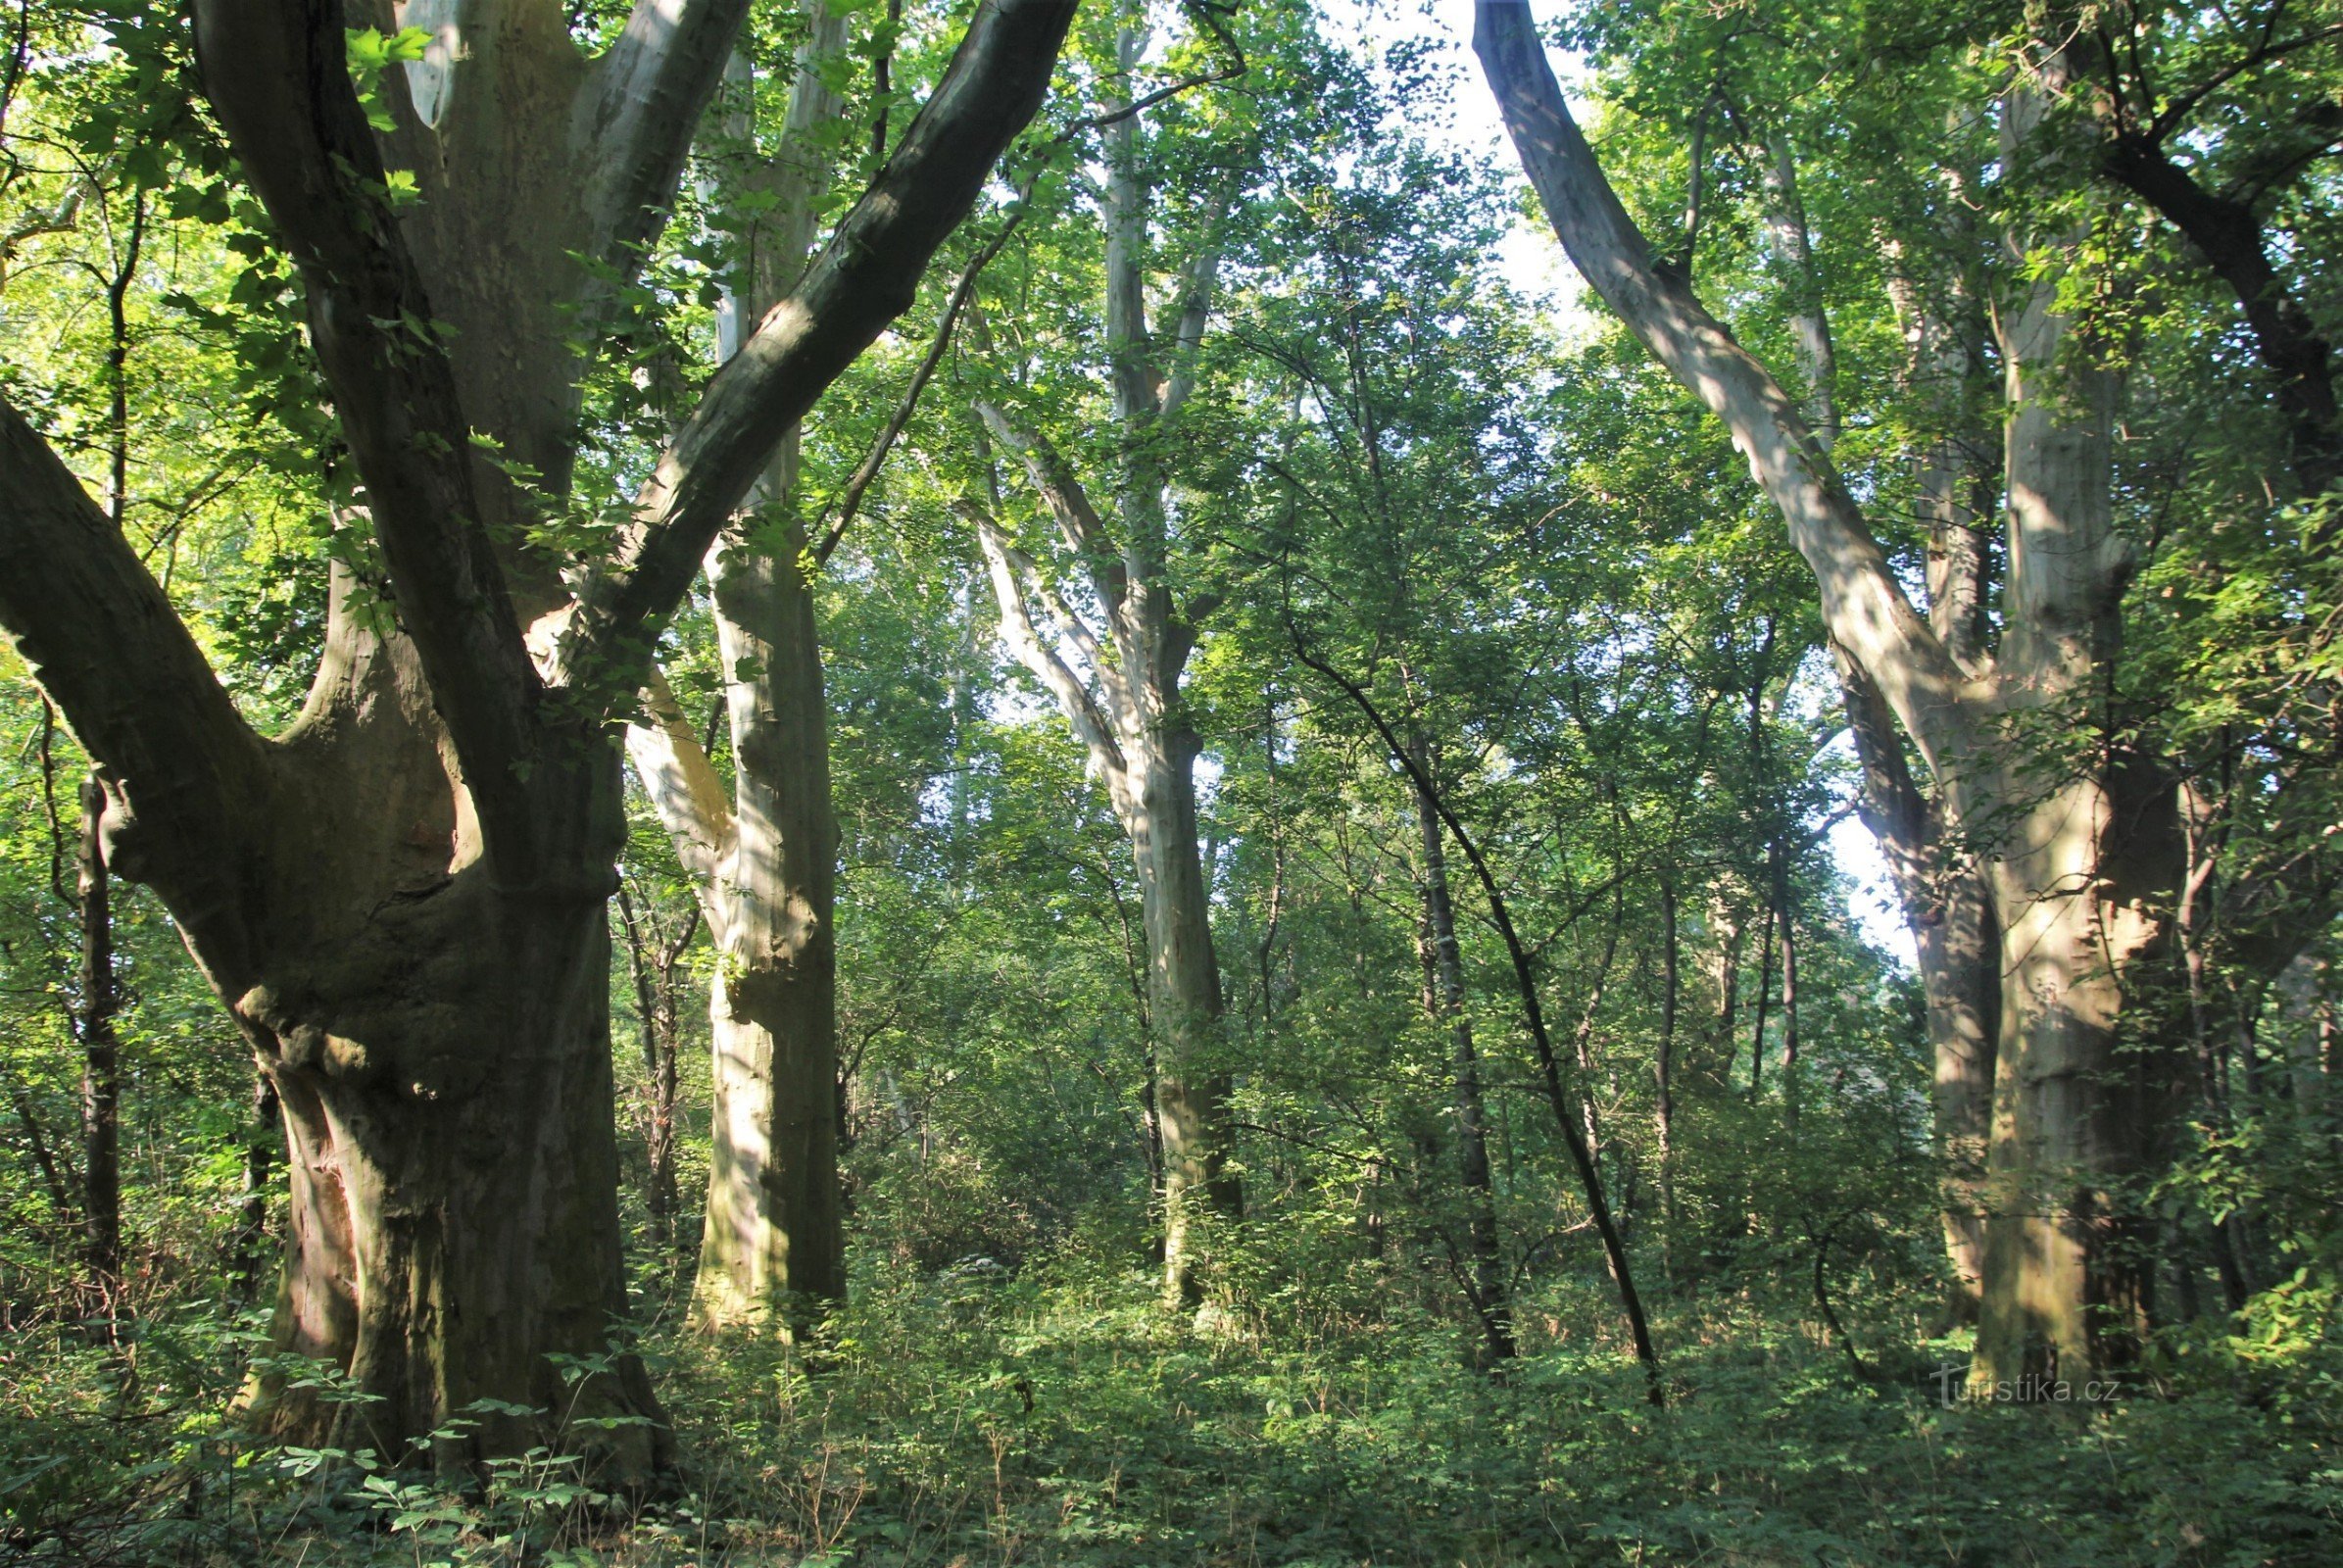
point(1764, 986)
point(1783, 916)
point(1663, 1069)
point(101, 1059)
point(1485, 1263)
point(654, 964)
point(263, 1140)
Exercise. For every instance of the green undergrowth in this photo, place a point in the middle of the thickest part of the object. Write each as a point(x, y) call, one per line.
point(1058, 1415)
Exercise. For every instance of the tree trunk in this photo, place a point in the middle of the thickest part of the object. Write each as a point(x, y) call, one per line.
point(654, 963)
point(402, 897)
point(2083, 847)
point(263, 1139)
point(1485, 1263)
point(1184, 1004)
point(774, 1244)
point(1663, 1068)
point(101, 1060)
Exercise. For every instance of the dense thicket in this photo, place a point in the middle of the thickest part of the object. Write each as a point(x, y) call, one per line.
point(1236, 927)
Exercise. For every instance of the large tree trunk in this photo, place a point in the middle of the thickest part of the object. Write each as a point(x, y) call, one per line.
point(773, 1245)
point(445, 1250)
point(439, 1045)
point(2082, 882)
point(402, 898)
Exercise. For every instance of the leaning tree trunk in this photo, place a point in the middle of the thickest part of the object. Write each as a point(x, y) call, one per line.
point(2083, 847)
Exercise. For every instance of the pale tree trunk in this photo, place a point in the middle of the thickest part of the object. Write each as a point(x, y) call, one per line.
point(2086, 867)
point(402, 898)
point(1124, 701)
point(1484, 1270)
point(1945, 899)
point(772, 1243)
point(2077, 847)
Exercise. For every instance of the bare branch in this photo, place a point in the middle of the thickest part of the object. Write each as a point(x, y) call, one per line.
point(1078, 521)
point(636, 114)
point(868, 469)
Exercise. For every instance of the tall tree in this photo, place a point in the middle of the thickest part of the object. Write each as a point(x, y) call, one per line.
point(401, 899)
point(2081, 845)
point(1121, 691)
point(772, 1243)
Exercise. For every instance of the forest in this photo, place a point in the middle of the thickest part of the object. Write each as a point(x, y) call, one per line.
point(1141, 782)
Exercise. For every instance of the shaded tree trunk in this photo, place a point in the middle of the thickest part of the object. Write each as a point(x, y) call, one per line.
point(1485, 1263)
point(402, 898)
point(101, 1059)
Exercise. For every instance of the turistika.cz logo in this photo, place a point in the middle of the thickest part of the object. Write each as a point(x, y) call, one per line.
point(1954, 1386)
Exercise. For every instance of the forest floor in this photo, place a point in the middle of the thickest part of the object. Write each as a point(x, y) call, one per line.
point(1054, 1414)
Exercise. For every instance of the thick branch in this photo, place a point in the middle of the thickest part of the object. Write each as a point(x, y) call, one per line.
point(866, 277)
point(1192, 311)
point(106, 645)
point(636, 114)
point(1025, 644)
point(2286, 341)
point(1863, 605)
point(1890, 802)
point(1078, 521)
point(687, 794)
point(276, 71)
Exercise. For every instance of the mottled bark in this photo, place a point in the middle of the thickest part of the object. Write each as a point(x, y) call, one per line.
point(1121, 693)
point(2078, 838)
point(101, 1057)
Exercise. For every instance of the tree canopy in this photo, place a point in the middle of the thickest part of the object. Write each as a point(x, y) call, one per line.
point(820, 781)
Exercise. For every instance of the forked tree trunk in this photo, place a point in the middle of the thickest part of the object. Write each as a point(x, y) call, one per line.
point(1121, 689)
point(2083, 847)
point(772, 1242)
point(402, 898)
